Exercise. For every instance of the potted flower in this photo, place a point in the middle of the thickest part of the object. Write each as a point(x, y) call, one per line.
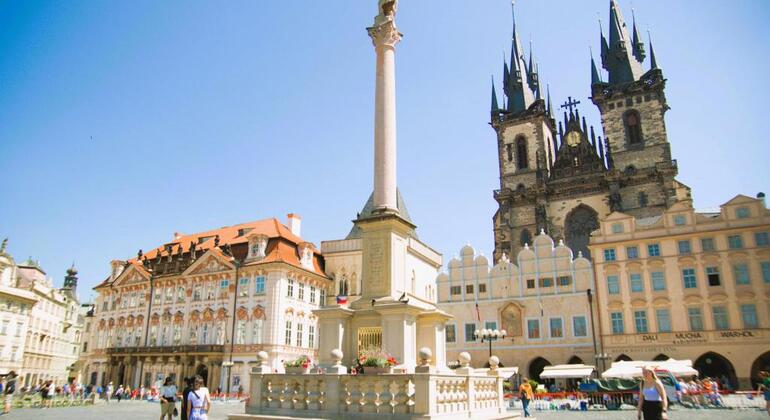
point(376, 361)
point(299, 365)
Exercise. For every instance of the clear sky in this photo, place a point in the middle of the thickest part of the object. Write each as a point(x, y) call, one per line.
point(122, 122)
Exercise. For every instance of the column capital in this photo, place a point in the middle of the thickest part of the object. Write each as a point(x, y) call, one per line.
point(385, 34)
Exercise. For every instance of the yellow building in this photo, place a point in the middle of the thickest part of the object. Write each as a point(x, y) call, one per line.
point(688, 285)
point(541, 301)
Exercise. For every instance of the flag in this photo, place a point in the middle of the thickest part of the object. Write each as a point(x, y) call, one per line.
point(341, 300)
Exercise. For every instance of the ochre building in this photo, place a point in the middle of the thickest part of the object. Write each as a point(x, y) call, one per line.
point(688, 285)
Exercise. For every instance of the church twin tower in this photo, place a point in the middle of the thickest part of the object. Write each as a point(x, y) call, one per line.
point(562, 177)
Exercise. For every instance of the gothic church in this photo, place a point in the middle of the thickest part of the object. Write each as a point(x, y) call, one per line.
point(562, 178)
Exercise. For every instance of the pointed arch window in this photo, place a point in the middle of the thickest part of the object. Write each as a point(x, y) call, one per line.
point(633, 125)
point(526, 237)
point(522, 161)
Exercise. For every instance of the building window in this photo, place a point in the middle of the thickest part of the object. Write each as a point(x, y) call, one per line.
point(617, 228)
point(240, 332)
point(680, 220)
point(765, 271)
point(530, 283)
point(640, 321)
point(688, 275)
point(4, 327)
point(290, 288)
point(224, 284)
point(720, 318)
point(632, 252)
point(509, 152)
point(522, 161)
point(741, 272)
point(259, 285)
point(713, 276)
point(311, 336)
point(210, 292)
point(613, 286)
point(533, 329)
point(565, 280)
point(482, 288)
point(637, 285)
point(663, 318)
point(696, 319)
point(450, 333)
point(762, 238)
point(749, 316)
point(525, 238)
point(243, 286)
point(643, 199)
point(579, 326)
point(633, 127)
point(312, 294)
point(197, 293)
point(300, 327)
point(323, 297)
point(468, 289)
point(684, 247)
point(301, 291)
point(653, 250)
point(617, 322)
point(169, 297)
point(287, 334)
point(469, 330)
point(546, 282)
point(735, 242)
point(707, 244)
point(658, 281)
point(609, 254)
point(256, 331)
point(742, 212)
point(556, 327)
point(177, 332)
point(490, 325)
point(456, 290)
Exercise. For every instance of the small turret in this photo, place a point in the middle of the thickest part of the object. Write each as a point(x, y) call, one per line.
point(71, 279)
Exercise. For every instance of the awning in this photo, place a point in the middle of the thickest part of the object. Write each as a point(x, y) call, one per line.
point(568, 371)
point(633, 369)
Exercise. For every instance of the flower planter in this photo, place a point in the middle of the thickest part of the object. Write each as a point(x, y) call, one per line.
point(370, 370)
point(298, 369)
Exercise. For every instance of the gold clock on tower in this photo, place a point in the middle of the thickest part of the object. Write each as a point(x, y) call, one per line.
point(573, 138)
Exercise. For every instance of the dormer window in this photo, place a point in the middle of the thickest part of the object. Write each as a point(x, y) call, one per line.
point(305, 250)
point(680, 220)
point(257, 246)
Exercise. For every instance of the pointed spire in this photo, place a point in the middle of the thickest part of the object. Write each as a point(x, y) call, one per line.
point(495, 107)
point(555, 149)
point(610, 163)
point(636, 40)
point(603, 42)
point(595, 77)
point(585, 127)
point(601, 148)
point(531, 68)
point(520, 88)
point(593, 139)
point(549, 106)
point(621, 58)
point(653, 61)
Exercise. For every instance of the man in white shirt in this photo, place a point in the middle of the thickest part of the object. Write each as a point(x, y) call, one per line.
point(167, 399)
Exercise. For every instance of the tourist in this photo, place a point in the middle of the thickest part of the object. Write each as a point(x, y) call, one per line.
point(188, 386)
point(652, 401)
point(108, 392)
point(525, 394)
point(50, 392)
point(167, 399)
point(199, 402)
point(764, 376)
point(9, 389)
point(119, 393)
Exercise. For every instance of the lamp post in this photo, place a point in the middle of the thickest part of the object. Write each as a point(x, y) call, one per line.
point(489, 336)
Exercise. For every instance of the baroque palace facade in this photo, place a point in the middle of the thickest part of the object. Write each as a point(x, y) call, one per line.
point(205, 304)
point(40, 325)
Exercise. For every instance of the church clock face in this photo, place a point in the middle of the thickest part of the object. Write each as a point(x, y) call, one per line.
point(573, 138)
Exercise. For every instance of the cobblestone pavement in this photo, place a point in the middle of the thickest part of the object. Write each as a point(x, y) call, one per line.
point(143, 410)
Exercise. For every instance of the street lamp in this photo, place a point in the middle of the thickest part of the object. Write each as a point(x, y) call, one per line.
point(489, 336)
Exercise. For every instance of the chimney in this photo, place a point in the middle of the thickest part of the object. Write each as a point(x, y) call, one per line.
point(294, 224)
point(761, 197)
point(177, 235)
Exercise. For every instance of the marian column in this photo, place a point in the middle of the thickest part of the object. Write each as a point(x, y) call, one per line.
point(385, 36)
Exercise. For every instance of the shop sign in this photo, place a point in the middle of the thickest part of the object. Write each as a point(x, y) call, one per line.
point(689, 338)
point(737, 334)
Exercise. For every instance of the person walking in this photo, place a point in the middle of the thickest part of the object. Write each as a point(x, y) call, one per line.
point(167, 398)
point(764, 387)
point(188, 386)
point(199, 401)
point(653, 402)
point(526, 395)
point(8, 390)
point(119, 393)
point(110, 389)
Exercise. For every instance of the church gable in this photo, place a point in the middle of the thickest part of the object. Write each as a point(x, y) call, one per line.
point(212, 261)
point(131, 275)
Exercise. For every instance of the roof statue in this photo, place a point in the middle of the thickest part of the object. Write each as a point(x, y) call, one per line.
point(388, 7)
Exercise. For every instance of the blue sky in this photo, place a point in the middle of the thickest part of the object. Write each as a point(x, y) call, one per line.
point(123, 122)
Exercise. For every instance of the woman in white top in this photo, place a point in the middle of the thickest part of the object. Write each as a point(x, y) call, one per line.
point(652, 397)
point(198, 401)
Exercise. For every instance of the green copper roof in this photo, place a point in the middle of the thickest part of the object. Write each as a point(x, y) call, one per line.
point(621, 57)
point(367, 211)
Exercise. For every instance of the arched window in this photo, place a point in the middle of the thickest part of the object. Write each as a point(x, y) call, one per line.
point(526, 237)
point(521, 189)
point(343, 286)
point(509, 152)
point(633, 127)
point(522, 162)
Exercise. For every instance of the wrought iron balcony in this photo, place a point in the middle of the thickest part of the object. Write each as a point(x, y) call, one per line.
point(189, 348)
